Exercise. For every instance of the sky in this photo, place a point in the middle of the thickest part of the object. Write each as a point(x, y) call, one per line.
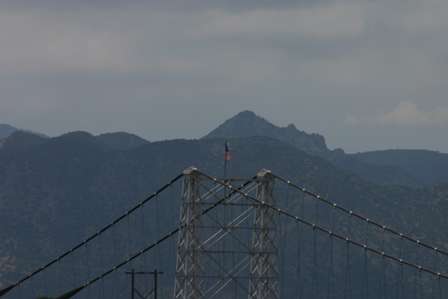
point(366, 74)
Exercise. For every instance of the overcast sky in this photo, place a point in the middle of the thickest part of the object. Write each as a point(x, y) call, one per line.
point(365, 74)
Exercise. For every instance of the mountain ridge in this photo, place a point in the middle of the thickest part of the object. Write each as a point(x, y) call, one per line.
point(248, 124)
point(115, 141)
point(388, 167)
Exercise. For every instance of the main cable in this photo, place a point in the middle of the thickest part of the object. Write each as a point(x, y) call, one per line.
point(361, 217)
point(167, 236)
point(91, 238)
point(324, 230)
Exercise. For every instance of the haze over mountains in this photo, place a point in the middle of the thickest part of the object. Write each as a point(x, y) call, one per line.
point(78, 182)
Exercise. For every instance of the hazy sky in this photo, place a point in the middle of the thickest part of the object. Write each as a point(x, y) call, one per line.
point(367, 74)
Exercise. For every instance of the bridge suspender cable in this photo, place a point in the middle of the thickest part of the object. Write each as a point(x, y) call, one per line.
point(324, 230)
point(75, 291)
point(331, 269)
point(315, 267)
point(299, 271)
point(366, 264)
point(91, 238)
point(362, 218)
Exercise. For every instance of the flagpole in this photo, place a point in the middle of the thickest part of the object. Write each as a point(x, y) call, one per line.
point(225, 169)
point(226, 159)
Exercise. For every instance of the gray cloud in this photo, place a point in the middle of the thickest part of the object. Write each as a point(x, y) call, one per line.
point(405, 114)
point(182, 5)
point(164, 70)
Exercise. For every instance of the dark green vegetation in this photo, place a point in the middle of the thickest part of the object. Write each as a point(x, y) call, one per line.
point(56, 191)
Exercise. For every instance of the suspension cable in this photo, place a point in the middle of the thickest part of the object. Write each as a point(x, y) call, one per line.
point(299, 271)
point(167, 236)
point(336, 236)
point(361, 217)
point(331, 268)
point(91, 238)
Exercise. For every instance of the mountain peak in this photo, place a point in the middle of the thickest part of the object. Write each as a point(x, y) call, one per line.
point(247, 113)
point(243, 124)
point(249, 120)
point(249, 124)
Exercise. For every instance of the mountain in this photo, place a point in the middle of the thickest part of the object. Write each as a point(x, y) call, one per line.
point(121, 140)
point(389, 167)
point(248, 124)
point(56, 192)
point(6, 130)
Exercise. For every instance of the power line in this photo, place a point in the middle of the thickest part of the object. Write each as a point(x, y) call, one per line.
point(91, 238)
point(316, 227)
point(363, 218)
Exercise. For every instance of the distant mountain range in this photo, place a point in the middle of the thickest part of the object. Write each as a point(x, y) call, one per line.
point(25, 140)
point(55, 191)
point(388, 167)
point(399, 167)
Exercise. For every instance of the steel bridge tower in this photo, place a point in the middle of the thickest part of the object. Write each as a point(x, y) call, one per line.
point(263, 283)
point(231, 253)
point(187, 284)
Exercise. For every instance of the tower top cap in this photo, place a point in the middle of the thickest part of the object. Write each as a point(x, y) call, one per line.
point(190, 170)
point(263, 173)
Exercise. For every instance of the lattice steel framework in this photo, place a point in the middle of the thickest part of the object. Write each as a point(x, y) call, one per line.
point(263, 283)
point(230, 253)
point(187, 258)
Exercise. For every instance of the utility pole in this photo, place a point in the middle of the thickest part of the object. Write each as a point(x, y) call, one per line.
point(134, 290)
point(132, 273)
point(156, 274)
